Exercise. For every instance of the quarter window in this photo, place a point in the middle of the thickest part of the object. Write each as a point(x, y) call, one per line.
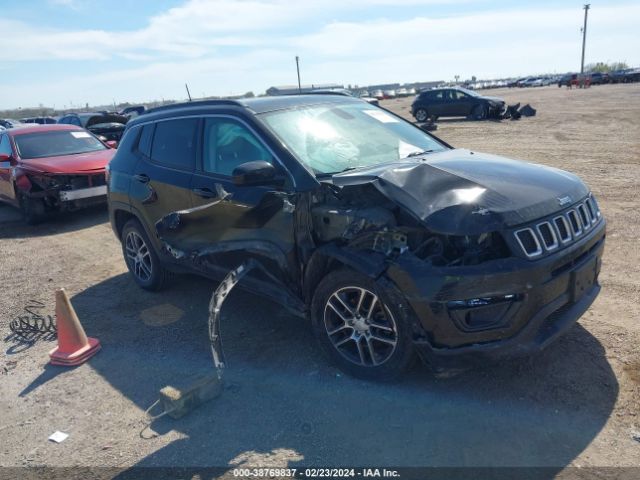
point(144, 144)
point(174, 143)
point(5, 146)
point(228, 144)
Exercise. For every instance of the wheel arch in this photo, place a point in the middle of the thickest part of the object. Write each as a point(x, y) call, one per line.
point(122, 214)
point(331, 257)
point(120, 218)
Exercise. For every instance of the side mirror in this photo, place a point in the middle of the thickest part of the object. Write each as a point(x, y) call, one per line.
point(255, 173)
point(111, 144)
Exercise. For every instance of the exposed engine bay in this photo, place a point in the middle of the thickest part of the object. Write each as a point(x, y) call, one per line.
point(363, 218)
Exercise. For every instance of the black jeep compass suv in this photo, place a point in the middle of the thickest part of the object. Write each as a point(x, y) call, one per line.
point(390, 240)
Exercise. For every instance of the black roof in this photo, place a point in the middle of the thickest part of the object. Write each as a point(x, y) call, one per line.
point(253, 105)
point(259, 104)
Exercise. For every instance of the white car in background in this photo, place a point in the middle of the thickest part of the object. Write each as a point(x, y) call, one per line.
point(533, 82)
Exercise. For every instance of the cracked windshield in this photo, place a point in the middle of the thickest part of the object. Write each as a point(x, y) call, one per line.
point(333, 138)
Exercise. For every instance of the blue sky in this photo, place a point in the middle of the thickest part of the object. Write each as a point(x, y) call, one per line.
point(72, 52)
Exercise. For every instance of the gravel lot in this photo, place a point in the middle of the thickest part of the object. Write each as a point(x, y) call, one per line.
point(577, 404)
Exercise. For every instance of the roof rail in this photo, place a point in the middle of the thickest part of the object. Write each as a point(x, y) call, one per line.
point(197, 103)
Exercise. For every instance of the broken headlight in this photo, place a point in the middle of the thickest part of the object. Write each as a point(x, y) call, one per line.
point(458, 250)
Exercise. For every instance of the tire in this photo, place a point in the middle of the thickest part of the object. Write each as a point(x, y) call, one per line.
point(479, 112)
point(373, 343)
point(141, 259)
point(421, 115)
point(32, 209)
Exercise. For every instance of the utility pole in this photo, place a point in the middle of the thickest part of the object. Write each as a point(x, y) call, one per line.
point(584, 34)
point(298, 70)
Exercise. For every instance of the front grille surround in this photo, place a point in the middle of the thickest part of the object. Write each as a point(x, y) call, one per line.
point(548, 235)
point(525, 237)
point(562, 227)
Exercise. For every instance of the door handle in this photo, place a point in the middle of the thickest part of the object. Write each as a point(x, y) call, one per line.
point(142, 178)
point(204, 192)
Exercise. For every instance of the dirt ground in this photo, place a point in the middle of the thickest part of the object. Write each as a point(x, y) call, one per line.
point(576, 404)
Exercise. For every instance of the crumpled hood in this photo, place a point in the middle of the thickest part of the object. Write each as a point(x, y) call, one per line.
point(460, 192)
point(109, 118)
point(91, 162)
point(104, 127)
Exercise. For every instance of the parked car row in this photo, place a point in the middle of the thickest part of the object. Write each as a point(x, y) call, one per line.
point(387, 94)
point(625, 76)
point(9, 122)
point(542, 81)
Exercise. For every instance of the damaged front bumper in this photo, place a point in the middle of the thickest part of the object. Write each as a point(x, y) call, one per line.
point(498, 309)
point(68, 195)
point(66, 192)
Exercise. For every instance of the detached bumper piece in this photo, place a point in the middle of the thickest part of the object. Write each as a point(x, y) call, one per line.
point(69, 195)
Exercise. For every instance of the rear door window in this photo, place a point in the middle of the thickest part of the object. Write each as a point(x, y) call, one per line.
point(174, 143)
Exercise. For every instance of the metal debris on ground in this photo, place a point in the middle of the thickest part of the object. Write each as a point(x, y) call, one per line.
point(190, 392)
point(527, 111)
point(515, 112)
point(33, 326)
point(428, 126)
point(511, 112)
point(58, 436)
point(215, 305)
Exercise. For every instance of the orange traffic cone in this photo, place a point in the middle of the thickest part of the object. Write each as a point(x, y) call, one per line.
point(74, 347)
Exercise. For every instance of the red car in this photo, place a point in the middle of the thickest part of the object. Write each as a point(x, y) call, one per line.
point(46, 168)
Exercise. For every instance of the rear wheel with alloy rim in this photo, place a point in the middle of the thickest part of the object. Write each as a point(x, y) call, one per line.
point(141, 259)
point(359, 328)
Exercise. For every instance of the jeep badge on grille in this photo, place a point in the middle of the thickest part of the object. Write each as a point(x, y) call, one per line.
point(564, 200)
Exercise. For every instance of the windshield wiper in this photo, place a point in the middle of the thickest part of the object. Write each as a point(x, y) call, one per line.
point(328, 174)
point(417, 154)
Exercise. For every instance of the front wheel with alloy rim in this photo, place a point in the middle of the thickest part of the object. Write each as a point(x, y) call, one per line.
point(360, 328)
point(421, 115)
point(33, 210)
point(141, 259)
point(479, 112)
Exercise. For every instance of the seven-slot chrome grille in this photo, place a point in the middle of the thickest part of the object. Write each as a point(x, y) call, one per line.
point(559, 231)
